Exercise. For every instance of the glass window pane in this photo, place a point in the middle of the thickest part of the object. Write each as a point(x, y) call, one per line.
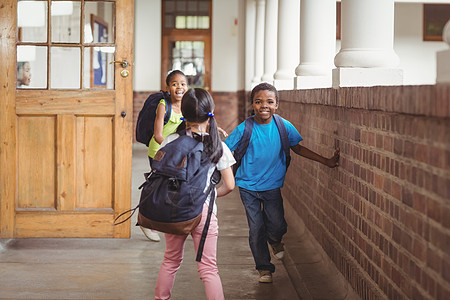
point(31, 67)
point(188, 57)
point(192, 6)
point(169, 21)
point(203, 8)
point(99, 22)
point(181, 6)
point(98, 70)
point(180, 22)
point(169, 6)
point(191, 22)
point(32, 21)
point(65, 68)
point(66, 19)
point(203, 22)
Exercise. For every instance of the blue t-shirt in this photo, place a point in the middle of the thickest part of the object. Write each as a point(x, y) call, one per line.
point(263, 166)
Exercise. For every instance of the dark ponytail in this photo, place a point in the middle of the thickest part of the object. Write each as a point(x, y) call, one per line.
point(197, 106)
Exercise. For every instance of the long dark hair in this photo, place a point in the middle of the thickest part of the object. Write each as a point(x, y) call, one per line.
point(197, 106)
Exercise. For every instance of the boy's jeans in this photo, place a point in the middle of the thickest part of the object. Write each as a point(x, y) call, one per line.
point(265, 216)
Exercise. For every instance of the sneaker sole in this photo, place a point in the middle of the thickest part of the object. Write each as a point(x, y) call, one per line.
point(265, 279)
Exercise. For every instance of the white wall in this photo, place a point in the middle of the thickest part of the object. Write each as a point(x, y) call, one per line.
point(225, 46)
point(147, 45)
point(417, 57)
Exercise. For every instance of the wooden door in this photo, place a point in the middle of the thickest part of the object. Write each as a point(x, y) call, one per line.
point(193, 58)
point(65, 138)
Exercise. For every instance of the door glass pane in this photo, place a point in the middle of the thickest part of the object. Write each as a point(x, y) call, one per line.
point(66, 18)
point(32, 21)
point(99, 22)
point(31, 67)
point(65, 67)
point(98, 70)
point(192, 14)
point(42, 60)
point(188, 56)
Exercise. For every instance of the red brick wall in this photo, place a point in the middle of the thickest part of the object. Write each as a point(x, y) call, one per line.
point(383, 216)
point(226, 111)
point(138, 102)
point(244, 106)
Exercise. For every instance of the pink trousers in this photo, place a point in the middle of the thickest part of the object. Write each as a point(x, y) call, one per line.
point(207, 268)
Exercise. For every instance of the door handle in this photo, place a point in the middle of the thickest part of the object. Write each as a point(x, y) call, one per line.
point(124, 63)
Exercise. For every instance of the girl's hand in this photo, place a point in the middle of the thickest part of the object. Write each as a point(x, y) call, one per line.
point(333, 162)
point(225, 134)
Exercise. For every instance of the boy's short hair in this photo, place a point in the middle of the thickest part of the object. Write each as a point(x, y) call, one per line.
point(264, 86)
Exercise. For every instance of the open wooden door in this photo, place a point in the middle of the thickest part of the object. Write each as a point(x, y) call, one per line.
point(66, 133)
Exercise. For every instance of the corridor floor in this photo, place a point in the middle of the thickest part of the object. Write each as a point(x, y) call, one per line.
point(128, 268)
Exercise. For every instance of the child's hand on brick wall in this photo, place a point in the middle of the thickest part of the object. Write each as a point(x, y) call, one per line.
point(333, 161)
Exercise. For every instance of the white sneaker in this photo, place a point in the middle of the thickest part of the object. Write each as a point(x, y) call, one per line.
point(151, 234)
point(278, 250)
point(265, 276)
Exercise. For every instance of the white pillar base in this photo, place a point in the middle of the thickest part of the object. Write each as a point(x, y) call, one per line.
point(312, 82)
point(347, 77)
point(443, 67)
point(284, 84)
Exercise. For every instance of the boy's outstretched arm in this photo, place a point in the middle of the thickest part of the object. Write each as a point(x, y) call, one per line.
point(305, 152)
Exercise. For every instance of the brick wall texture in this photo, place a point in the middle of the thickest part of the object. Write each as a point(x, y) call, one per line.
point(383, 216)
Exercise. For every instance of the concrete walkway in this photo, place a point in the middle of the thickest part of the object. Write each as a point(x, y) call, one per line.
point(127, 269)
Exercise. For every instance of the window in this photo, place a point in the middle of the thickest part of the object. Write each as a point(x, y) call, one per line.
point(186, 14)
point(434, 18)
point(65, 44)
point(186, 40)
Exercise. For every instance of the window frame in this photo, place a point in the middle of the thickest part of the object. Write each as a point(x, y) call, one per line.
point(429, 18)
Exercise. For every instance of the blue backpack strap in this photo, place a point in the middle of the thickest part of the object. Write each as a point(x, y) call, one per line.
point(168, 101)
point(284, 138)
point(243, 143)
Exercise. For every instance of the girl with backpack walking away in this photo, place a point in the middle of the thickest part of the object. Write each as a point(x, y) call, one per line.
point(197, 107)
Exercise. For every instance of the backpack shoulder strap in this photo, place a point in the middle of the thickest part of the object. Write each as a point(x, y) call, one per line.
point(168, 106)
point(245, 139)
point(284, 138)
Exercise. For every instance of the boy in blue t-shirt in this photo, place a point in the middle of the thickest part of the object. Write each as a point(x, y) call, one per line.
point(261, 175)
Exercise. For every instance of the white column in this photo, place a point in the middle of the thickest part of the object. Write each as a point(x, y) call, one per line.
point(250, 22)
point(317, 44)
point(270, 40)
point(259, 41)
point(367, 56)
point(443, 58)
point(288, 43)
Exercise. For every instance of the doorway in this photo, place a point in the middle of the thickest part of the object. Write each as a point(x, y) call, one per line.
point(186, 40)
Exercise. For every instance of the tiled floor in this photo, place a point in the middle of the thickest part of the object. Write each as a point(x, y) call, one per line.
point(127, 269)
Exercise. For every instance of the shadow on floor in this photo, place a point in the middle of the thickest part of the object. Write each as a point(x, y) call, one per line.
point(128, 268)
